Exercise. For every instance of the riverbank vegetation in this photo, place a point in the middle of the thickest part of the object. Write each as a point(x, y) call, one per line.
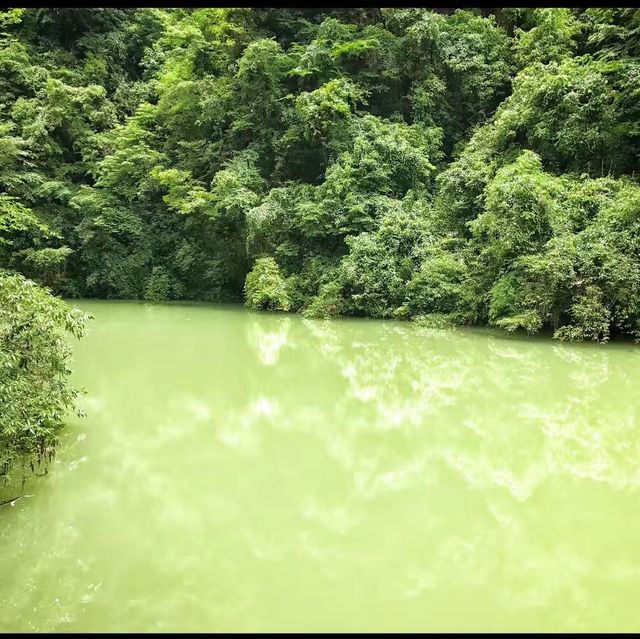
point(35, 395)
point(475, 166)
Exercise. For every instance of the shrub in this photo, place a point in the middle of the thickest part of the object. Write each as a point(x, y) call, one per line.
point(265, 287)
point(35, 394)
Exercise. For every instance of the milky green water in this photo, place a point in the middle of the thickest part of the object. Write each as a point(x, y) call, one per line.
point(260, 472)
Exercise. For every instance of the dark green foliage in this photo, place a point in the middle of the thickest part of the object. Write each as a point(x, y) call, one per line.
point(468, 166)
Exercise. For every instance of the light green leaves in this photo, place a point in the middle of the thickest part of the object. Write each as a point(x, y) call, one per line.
point(265, 287)
point(34, 392)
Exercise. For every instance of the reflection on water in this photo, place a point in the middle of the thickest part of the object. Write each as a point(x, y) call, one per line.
point(241, 471)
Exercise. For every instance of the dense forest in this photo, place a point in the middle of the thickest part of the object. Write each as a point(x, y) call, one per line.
point(452, 167)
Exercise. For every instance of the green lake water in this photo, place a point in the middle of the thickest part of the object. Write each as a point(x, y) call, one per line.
point(261, 472)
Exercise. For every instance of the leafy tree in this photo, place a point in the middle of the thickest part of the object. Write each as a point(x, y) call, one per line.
point(552, 38)
point(34, 353)
point(265, 287)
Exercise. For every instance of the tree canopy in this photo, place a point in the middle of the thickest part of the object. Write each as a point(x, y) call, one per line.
point(475, 166)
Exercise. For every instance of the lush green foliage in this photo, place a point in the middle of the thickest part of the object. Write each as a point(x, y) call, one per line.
point(265, 288)
point(34, 391)
point(472, 166)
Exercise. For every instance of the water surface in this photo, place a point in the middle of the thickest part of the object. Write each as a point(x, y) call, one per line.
point(261, 472)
